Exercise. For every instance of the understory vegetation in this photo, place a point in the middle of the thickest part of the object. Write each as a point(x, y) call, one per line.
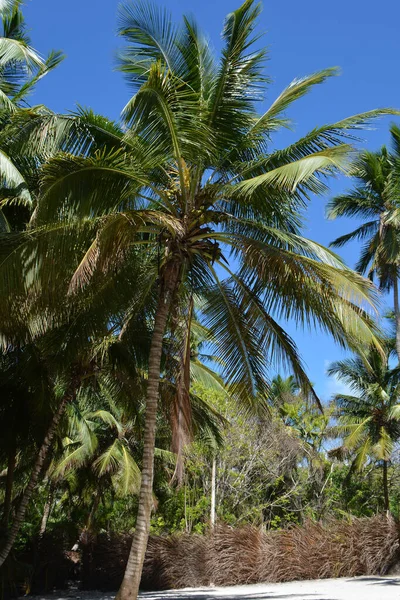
point(272, 472)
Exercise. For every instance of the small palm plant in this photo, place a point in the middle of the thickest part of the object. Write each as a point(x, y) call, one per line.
point(368, 421)
point(102, 440)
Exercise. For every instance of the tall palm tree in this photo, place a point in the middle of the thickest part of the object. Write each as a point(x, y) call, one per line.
point(369, 420)
point(191, 184)
point(375, 199)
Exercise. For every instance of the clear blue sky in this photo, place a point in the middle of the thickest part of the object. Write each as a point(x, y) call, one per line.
point(360, 36)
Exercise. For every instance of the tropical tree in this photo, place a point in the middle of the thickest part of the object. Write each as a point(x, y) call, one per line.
point(21, 68)
point(368, 421)
point(100, 443)
point(191, 184)
point(298, 412)
point(375, 199)
point(72, 348)
point(283, 390)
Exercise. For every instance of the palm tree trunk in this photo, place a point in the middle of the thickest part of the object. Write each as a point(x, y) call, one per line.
point(385, 486)
point(46, 512)
point(397, 314)
point(9, 484)
point(130, 585)
point(19, 517)
point(93, 511)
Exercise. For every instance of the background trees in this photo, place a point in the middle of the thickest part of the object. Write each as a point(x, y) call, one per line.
point(375, 198)
point(368, 421)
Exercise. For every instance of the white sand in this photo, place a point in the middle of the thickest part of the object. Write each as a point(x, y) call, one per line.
point(358, 588)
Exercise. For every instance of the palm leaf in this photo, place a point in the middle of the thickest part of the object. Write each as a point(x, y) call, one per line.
point(127, 479)
point(300, 172)
point(16, 51)
point(295, 90)
point(12, 178)
point(151, 36)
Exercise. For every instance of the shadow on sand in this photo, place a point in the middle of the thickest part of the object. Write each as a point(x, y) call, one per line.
point(241, 594)
point(378, 580)
point(212, 595)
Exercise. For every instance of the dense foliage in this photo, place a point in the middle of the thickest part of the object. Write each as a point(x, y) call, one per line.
point(270, 472)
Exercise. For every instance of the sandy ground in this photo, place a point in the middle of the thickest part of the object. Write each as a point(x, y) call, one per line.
point(359, 588)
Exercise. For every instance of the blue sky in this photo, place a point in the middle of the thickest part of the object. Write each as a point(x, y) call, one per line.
point(360, 36)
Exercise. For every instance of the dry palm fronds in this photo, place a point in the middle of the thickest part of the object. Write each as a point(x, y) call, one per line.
point(227, 556)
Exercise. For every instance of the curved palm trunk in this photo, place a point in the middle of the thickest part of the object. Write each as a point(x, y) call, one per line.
point(9, 485)
point(386, 486)
point(19, 517)
point(397, 314)
point(130, 585)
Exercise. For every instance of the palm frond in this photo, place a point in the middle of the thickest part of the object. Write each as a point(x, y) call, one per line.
point(13, 179)
point(245, 366)
point(300, 172)
point(239, 76)
point(54, 58)
point(127, 479)
point(151, 36)
point(365, 230)
point(16, 51)
point(295, 90)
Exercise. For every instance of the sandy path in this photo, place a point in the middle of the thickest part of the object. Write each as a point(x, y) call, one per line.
point(359, 588)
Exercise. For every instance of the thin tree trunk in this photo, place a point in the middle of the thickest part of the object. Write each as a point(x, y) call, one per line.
point(185, 507)
point(46, 512)
point(93, 511)
point(19, 517)
point(213, 478)
point(130, 585)
point(397, 314)
point(385, 486)
point(9, 484)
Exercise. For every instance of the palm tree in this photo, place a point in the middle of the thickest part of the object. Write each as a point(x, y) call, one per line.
point(191, 183)
point(103, 432)
point(99, 443)
point(21, 68)
point(70, 354)
point(369, 420)
point(300, 415)
point(283, 390)
point(375, 199)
